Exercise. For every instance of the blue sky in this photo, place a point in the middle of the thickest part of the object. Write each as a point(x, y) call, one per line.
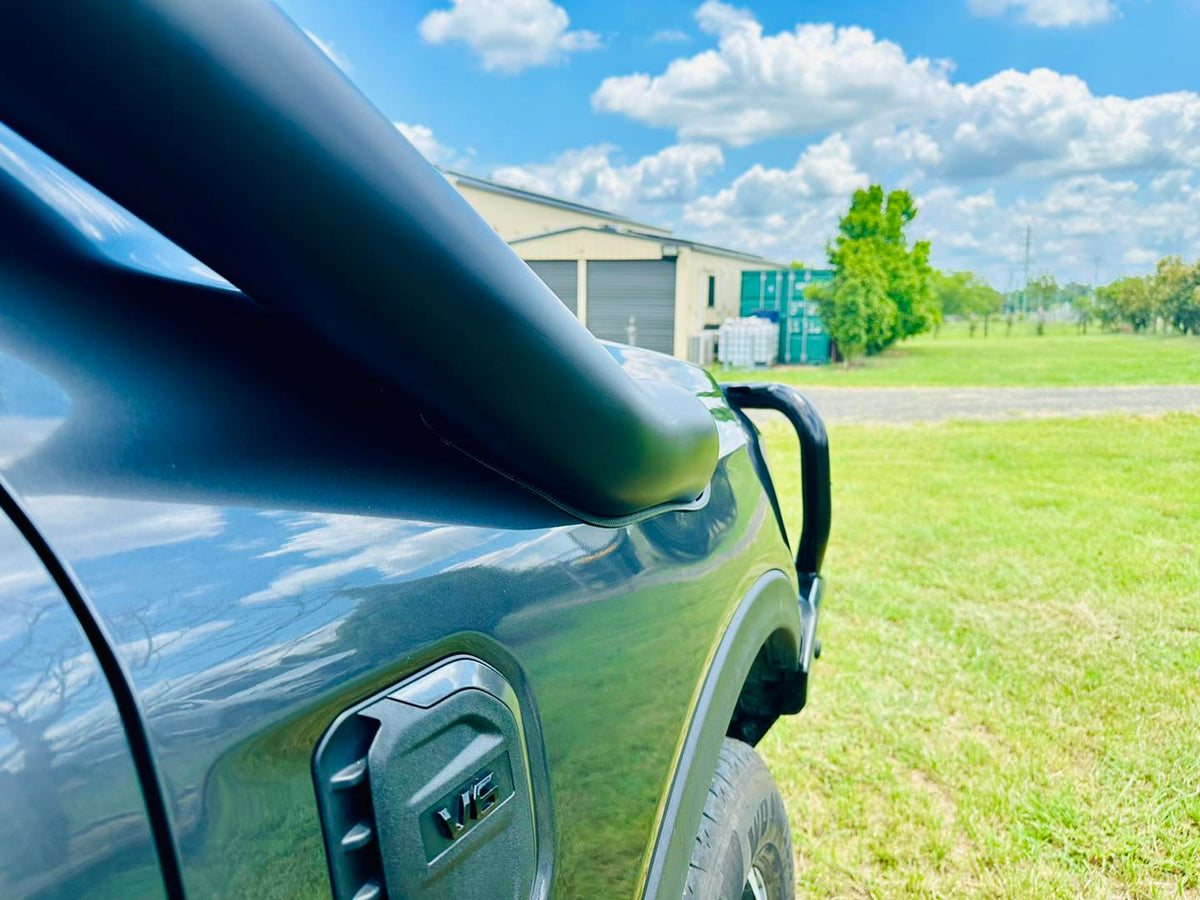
point(749, 125)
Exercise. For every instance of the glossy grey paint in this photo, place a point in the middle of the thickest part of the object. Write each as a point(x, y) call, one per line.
point(72, 820)
point(271, 535)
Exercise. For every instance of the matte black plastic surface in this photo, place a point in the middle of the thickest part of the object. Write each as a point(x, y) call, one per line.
point(220, 124)
point(431, 801)
point(814, 465)
point(342, 776)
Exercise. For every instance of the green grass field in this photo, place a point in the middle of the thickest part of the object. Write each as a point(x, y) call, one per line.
point(1060, 357)
point(1008, 704)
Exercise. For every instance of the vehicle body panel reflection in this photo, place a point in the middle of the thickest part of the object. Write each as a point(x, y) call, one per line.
point(73, 822)
point(271, 539)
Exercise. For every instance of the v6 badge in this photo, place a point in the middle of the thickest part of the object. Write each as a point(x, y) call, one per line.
point(469, 806)
point(455, 814)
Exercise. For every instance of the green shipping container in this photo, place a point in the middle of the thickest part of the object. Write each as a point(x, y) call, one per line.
point(761, 291)
point(802, 336)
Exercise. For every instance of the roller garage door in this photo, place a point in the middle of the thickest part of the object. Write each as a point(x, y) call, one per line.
point(561, 276)
point(643, 289)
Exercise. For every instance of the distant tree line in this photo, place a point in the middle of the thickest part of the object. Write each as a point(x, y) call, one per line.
point(1044, 292)
point(1168, 298)
point(965, 294)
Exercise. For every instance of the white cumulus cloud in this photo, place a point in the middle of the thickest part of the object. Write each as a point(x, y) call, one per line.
point(824, 170)
point(816, 78)
point(589, 174)
point(754, 86)
point(508, 35)
point(782, 213)
point(1043, 122)
point(1038, 124)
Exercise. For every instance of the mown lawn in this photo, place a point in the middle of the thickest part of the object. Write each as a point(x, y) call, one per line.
point(1060, 357)
point(1008, 704)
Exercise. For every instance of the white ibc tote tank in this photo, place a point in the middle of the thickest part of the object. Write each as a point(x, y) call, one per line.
point(747, 343)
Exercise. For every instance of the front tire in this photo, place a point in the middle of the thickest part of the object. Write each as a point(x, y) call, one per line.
point(744, 848)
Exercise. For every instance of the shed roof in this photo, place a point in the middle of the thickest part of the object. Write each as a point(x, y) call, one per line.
point(495, 187)
point(660, 238)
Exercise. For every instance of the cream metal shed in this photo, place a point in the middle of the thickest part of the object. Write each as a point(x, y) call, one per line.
point(610, 269)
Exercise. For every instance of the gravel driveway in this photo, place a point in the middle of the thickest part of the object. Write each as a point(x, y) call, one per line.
point(939, 404)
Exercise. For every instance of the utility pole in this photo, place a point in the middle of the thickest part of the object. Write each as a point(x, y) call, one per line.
point(1025, 285)
point(1096, 272)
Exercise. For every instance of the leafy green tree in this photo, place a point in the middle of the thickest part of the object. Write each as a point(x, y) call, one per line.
point(952, 290)
point(1107, 314)
point(1042, 291)
point(1176, 290)
point(1085, 306)
point(1073, 291)
point(1132, 299)
point(870, 254)
point(963, 293)
point(855, 306)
